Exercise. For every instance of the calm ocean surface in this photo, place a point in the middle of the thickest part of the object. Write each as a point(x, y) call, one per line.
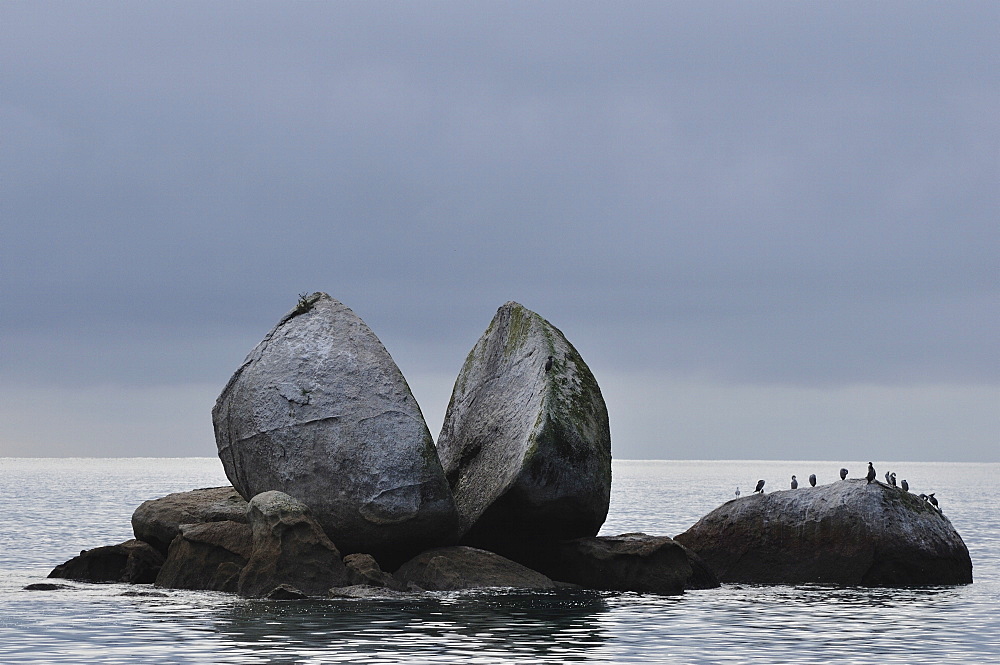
point(50, 509)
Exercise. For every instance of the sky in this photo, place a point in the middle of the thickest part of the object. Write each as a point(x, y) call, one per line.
point(772, 229)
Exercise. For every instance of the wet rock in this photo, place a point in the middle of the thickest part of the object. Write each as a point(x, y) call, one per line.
point(132, 561)
point(320, 411)
point(459, 567)
point(849, 532)
point(289, 548)
point(630, 562)
point(46, 586)
point(286, 592)
point(207, 556)
point(158, 521)
point(526, 444)
point(364, 569)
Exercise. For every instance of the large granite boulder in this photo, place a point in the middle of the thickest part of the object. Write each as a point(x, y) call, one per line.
point(207, 556)
point(289, 549)
point(158, 521)
point(457, 568)
point(849, 532)
point(133, 561)
point(320, 411)
point(526, 444)
point(629, 562)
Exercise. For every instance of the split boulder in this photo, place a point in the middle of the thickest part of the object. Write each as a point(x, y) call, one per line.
point(158, 521)
point(320, 411)
point(207, 556)
point(526, 444)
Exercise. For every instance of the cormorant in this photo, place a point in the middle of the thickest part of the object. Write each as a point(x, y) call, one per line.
point(905, 485)
point(892, 478)
point(548, 364)
point(871, 473)
point(887, 481)
point(760, 487)
point(930, 497)
point(737, 492)
point(843, 474)
point(812, 480)
point(795, 483)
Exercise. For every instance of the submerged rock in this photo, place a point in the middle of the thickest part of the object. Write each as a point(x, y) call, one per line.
point(289, 548)
point(320, 411)
point(526, 444)
point(456, 568)
point(132, 561)
point(158, 521)
point(848, 532)
point(207, 556)
point(629, 562)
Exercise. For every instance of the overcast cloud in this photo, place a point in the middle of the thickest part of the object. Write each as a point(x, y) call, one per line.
point(772, 229)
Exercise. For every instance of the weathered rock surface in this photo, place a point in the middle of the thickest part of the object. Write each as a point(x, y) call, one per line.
point(207, 556)
point(526, 449)
point(630, 562)
point(158, 521)
point(132, 561)
point(289, 548)
point(455, 568)
point(363, 569)
point(848, 532)
point(320, 411)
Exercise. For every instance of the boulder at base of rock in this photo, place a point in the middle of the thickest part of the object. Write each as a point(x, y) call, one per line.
point(526, 444)
point(630, 562)
point(319, 410)
point(289, 548)
point(364, 569)
point(158, 521)
point(207, 556)
point(455, 568)
point(133, 561)
point(848, 532)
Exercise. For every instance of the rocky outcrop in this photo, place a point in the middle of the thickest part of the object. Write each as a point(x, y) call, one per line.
point(158, 521)
point(132, 561)
point(630, 562)
point(456, 568)
point(362, 569)
point(207, 556)
point(848, 532)
point(320, 411)
point(526, 444)
point(289, 548)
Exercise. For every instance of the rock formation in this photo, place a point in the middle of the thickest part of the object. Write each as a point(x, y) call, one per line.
point(630, 562)
point(849, 532)
point(290, 549)
point(320, 411)
point(455, 568)
point(132, 561)
point(158, 521)
point(207, 556)
point(526, 444)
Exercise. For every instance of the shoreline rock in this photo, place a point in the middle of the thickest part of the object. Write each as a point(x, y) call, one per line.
point(158, 521)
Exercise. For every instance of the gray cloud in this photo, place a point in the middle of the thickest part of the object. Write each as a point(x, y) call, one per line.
point(748, 193)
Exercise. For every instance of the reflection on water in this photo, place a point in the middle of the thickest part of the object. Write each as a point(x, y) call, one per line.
point(88, 503)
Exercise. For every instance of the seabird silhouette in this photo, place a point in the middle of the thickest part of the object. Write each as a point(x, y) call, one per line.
point(905, 485)
point(760, 487)
point(548, 364)
point(930, 497)
point(887, 478)
point(843, 474)
point(812, 480)
point(892, 478)
point(795, 483)
point(871, 473)
point(737, 492)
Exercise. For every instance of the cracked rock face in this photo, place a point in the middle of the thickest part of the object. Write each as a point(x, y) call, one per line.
point(526, 443)
point(320, 411)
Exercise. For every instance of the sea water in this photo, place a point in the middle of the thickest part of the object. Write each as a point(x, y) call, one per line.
point(50, 509)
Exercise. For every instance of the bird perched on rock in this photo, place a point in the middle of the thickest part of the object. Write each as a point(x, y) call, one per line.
point(892, 478)
point(886, 477)
point(548, 364)
point(871, 473)
point(812, 480)
point(905, 485)
point(934, 502)
point(737, 492)
point(795, 483)
point(760, 487)
point(843, 474)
